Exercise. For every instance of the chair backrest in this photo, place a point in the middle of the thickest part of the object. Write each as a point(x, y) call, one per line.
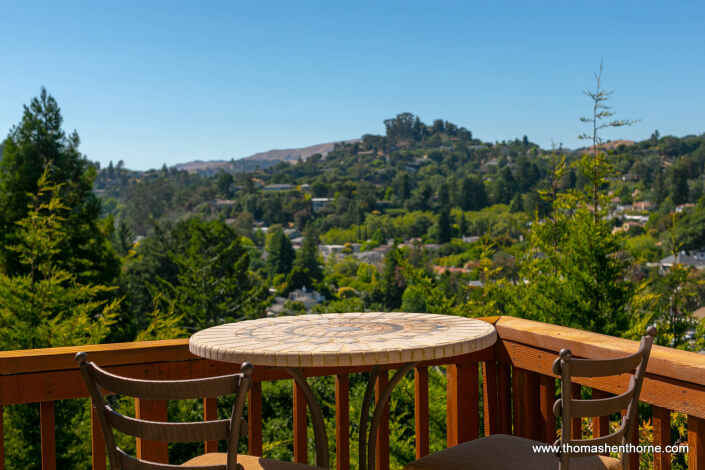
point(567, 407)
point(231, 429)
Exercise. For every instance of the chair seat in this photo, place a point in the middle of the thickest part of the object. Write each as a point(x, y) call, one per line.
point(248, 462)
point(504, 452)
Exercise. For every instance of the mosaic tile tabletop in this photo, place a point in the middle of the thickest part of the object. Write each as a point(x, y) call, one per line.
point(343, 339)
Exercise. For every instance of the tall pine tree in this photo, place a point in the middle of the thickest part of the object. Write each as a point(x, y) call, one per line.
point(36, 143)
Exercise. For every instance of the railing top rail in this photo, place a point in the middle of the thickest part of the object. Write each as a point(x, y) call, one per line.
point(50, 359)
point(667, 362)
point(113, 354)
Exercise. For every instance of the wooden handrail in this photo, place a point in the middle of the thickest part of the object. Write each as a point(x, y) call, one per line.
point(517, 370)
point(52, 359)
point(667, 362)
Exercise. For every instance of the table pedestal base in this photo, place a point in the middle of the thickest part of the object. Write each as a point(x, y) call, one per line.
point(367, 449)
point(319, 427)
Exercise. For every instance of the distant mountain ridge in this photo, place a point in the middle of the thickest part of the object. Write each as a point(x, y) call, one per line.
point(260, 160)
point(303, 153)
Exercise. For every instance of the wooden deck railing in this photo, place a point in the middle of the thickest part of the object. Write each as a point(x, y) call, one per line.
point(517, 395)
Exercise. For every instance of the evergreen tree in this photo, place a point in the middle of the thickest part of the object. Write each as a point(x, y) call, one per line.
point(517, 204)
point(576, 274)
point(307, 269)
point(392, 280)
point(444, 228)
point(472, 196)
point(280, 253)
point(679, 184)
point(214, 284)
point(462, 224)
point(44, 305)
point(308, 257)
point(37, 143)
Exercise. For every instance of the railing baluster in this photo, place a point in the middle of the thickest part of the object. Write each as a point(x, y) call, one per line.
point(254, 419)
point(547, 397)
point(696, 443)
point(47, 430)
point(532, 413)
point(97, 442)
point(2, 438)
point(576, 424)
point(462, 402)
point(634, 440)
point(421, 410)
point(342, 422)
point(489, 397)
point(661, 420)
point(210, 413)
point(600, 424)
point(152, 410)
point(300, 426)
point(504, 398)
point(382, 448)
point(517, 398)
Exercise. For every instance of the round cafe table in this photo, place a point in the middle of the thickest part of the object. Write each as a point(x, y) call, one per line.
point(344, 340)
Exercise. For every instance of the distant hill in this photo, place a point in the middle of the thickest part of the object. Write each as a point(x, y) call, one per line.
point(292, 155)
point(200, 165)
point(261, 160)
point(611, 145)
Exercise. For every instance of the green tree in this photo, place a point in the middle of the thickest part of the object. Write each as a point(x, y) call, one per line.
point(307, 269)
point(392, 280)
point(413, 300)
point(472, 196)
point(678, 187)
point(214, 284)
point(224, 183)
point(280, 253)
point(517, 204)
point(44, 305)
point(37, 143)
point(444, 228)
point(123, 238)
point(574, 267)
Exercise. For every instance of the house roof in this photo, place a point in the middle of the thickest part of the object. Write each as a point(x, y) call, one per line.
point(684, 259)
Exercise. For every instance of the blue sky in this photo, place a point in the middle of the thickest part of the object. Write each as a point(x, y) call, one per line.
point(150, 82)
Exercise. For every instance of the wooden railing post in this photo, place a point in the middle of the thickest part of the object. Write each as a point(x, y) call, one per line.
point(152, 410)
point(300, 426)
point(661, 420)
point(547, 397)
point(525, 390)
point(48, 437)
point(696, 443)
point(489, 398)
point(600, 424)
point(421, 410)
point(2, 438)
point(462, 402)
point(254, 419)
point(342, 422)
point(382, 449)
point(504, 398)
point(517, 385)
point(210, 413)
point(532, 411)
point(97, 442)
